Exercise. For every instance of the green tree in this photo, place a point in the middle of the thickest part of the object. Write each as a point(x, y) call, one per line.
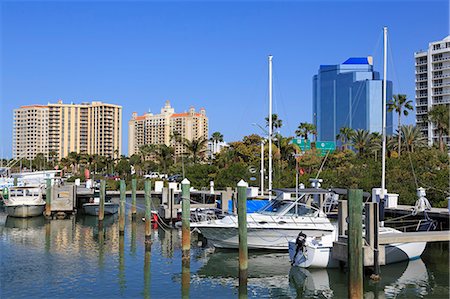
point(361, 141)
point(164, 155)
point(412, 138)
point(439, 116)
point(304, 129)
point(196, 147)
point(344, 136)
point(277, 123)
point(400, 104)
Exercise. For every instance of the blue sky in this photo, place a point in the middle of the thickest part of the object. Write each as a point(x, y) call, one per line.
point(206, 54)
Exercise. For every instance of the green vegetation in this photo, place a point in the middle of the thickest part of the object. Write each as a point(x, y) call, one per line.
point(355, 164)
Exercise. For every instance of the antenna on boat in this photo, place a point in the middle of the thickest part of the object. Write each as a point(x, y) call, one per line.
point(270, 127)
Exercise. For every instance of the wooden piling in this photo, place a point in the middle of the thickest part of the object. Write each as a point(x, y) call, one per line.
point(48, 198)
point(122, 208)
point(122, 281)
point(186, 218)
point(148, 216)
point(147, 274)
point(185, 279)
point(133, 198)
point(355, 253)
point(15, 182)
point(101, 206)
point(242, 226)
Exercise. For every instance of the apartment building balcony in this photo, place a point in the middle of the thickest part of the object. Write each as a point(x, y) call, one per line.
point(441, 76)
point(421, 103)
point(421, 71)
point(437, 59)
point(441, 101)
point(421, 79)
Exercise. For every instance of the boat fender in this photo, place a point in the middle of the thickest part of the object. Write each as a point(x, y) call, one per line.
point(300, 242)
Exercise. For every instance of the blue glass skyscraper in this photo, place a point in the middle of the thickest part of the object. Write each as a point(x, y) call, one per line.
point(349, 95)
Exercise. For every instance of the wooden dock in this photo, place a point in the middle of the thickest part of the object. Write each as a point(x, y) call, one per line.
point(435, 213)
point(430, 236)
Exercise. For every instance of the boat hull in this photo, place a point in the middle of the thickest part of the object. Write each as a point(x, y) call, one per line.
point(257, 238)
point(321, 257)
point(24, 211)
point(92, 208)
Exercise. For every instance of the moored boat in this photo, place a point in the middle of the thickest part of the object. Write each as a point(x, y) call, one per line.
point(317, 252)
point(92, 208)
point(274, 225)
point(25, 201)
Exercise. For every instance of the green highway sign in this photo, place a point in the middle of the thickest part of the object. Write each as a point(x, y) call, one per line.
point(325, 146)
point(303, 144)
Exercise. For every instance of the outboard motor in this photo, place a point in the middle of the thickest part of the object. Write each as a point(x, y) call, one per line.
point(300, 246)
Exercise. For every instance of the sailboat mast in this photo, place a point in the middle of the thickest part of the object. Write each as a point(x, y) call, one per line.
point(383, 154)
point(270, 127)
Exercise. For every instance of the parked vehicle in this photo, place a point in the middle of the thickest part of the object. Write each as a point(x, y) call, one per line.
point(175, 178)
point(155, 175)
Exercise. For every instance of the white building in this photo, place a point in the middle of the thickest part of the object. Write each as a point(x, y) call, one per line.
point(432, 85)
point(214, 147)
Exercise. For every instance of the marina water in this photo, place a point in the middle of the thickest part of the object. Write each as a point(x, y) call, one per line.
point(67, 259)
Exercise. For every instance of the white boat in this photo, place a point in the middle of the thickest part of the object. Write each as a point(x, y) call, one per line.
point(25, 201)
point(91, 208)
point(274, 225)
point(317, 252)
point(35, 177)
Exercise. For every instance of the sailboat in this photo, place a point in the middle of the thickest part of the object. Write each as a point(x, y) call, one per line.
point(307, 251)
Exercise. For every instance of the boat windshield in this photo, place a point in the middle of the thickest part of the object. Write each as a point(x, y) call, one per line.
point(280, 207)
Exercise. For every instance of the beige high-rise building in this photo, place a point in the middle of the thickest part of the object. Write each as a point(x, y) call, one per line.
point(92, 128)
point(432, 85)
point(30, 133)
point(160, 128)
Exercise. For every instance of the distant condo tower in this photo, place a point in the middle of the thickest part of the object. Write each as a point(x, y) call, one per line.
point(57, 129)
point(349, 95)
point(432, 85)
point(162, 128)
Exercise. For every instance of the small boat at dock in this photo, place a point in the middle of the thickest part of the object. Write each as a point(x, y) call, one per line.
point(24, 201)
point(92, 208)
point(312, 252)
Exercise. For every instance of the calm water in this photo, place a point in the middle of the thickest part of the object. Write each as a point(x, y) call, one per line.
point(69, 259)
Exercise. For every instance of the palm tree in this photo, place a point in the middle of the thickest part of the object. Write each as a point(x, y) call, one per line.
point(344, 136)
point(276, 122)
point(74, 158)
point(164, 154)
point(361, 141)
point(412, 138)
point(375, 143)
point(216, 137)
point(400, 104)
point(304, 129)
point(196, 147)
point(439, 116)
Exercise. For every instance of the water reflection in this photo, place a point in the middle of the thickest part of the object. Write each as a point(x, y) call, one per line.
point(81, 261)
point(401, 279)
point(147, 273)
point(24, 223)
